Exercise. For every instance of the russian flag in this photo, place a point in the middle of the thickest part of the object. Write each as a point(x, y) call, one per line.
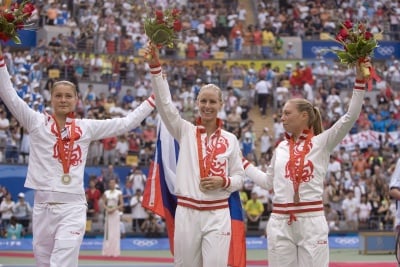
point(158, 196)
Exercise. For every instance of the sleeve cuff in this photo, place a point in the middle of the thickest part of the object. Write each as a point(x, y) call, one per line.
point(2, 62)
point(151, 100)
point(245, 163)
point(359, 85)
point(155, 69)
point(227, 182)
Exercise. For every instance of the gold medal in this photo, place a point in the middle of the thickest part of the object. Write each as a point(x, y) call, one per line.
point(296, 197)
point(66, 179)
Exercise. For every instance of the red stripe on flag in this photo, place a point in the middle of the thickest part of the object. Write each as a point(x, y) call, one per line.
point(237, 250)
point(152, 199)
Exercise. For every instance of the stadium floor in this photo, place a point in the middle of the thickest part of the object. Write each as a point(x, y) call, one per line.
point(162, 258)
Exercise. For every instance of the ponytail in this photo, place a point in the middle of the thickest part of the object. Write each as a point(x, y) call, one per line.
point(317, 123)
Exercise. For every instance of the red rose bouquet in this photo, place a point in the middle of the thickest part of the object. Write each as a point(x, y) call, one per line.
point(162, 29)
point(358, 44)
point(13, 18)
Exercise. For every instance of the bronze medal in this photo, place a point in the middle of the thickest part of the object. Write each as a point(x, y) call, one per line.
point(66, 179)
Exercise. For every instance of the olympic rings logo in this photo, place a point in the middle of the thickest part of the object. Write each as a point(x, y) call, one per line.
point(386, 50)
point(322, 50)
point(145, 242)
point(346, 241)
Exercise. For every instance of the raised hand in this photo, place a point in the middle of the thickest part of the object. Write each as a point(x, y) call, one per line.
point(152, 54)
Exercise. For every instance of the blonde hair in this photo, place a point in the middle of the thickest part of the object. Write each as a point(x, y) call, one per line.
point(66, 83)
point(314, 116)
point(211, 86)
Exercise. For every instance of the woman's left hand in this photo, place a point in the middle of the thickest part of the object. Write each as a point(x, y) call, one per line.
point(211, 183)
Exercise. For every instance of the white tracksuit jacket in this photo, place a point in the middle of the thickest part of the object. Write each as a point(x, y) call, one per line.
point(45, 169)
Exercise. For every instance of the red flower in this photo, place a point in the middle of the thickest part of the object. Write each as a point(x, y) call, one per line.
point(344, 33)
point(368, 35)
point(175, 12)
point(159, 15)
point(28, 9)
point(19, 25)
point(177, 25)
point(9, 17)
point(348, 24)
point(14, 6)
point(4, 37)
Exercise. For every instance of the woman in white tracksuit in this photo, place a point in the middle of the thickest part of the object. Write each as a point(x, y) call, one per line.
point(395, 193)
point(58, 150)
point(209, 168)
point(297, 230)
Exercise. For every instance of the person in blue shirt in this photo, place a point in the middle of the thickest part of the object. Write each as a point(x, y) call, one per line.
point(128, 98)
point(14, 229)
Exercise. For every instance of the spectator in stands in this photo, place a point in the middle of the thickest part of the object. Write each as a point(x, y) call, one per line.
point(52, 13)
point(93, 196)
point(109, 150)
point(22, 211)
point(296, 175)
point(58, 153)
point(332, 217)
point(127, 194)
point(263, 91)
point(350, 207)
point(6, 210)
point(151, 226)
point(138, 179)
point(115, 85)
point(254, 209)
point(139, 214)
point(14, 230)
point(364, 212)
point(122, 149)
point(266, 142)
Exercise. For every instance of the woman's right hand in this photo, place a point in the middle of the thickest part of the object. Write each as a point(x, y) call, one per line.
point(360, 73)
point(152, 54)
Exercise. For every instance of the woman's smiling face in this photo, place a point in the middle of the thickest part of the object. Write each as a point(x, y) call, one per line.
point(209, 102)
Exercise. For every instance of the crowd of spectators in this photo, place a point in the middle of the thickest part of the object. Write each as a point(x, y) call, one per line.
point(15, 215)
point(104, 47)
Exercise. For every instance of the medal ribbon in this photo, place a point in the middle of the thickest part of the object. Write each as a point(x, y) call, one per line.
point(65, 158)
point(205, 166)
point(297, 175)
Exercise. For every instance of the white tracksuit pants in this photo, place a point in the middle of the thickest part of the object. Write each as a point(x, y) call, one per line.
point(303, 243)
point(202, 238)
point(58, 231)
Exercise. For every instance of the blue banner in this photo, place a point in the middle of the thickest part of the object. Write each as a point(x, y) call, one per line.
point(28, 39)
point(311, 49)
point(13, 178)
point(335, 242)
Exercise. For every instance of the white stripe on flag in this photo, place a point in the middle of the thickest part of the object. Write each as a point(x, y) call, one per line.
point(168, 155)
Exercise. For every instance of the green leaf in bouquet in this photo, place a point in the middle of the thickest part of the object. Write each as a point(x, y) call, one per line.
point(149, 27)
point(352, 48)
point(16, 39)
point(341, 54)
point(372, 45)
point(161, 36)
